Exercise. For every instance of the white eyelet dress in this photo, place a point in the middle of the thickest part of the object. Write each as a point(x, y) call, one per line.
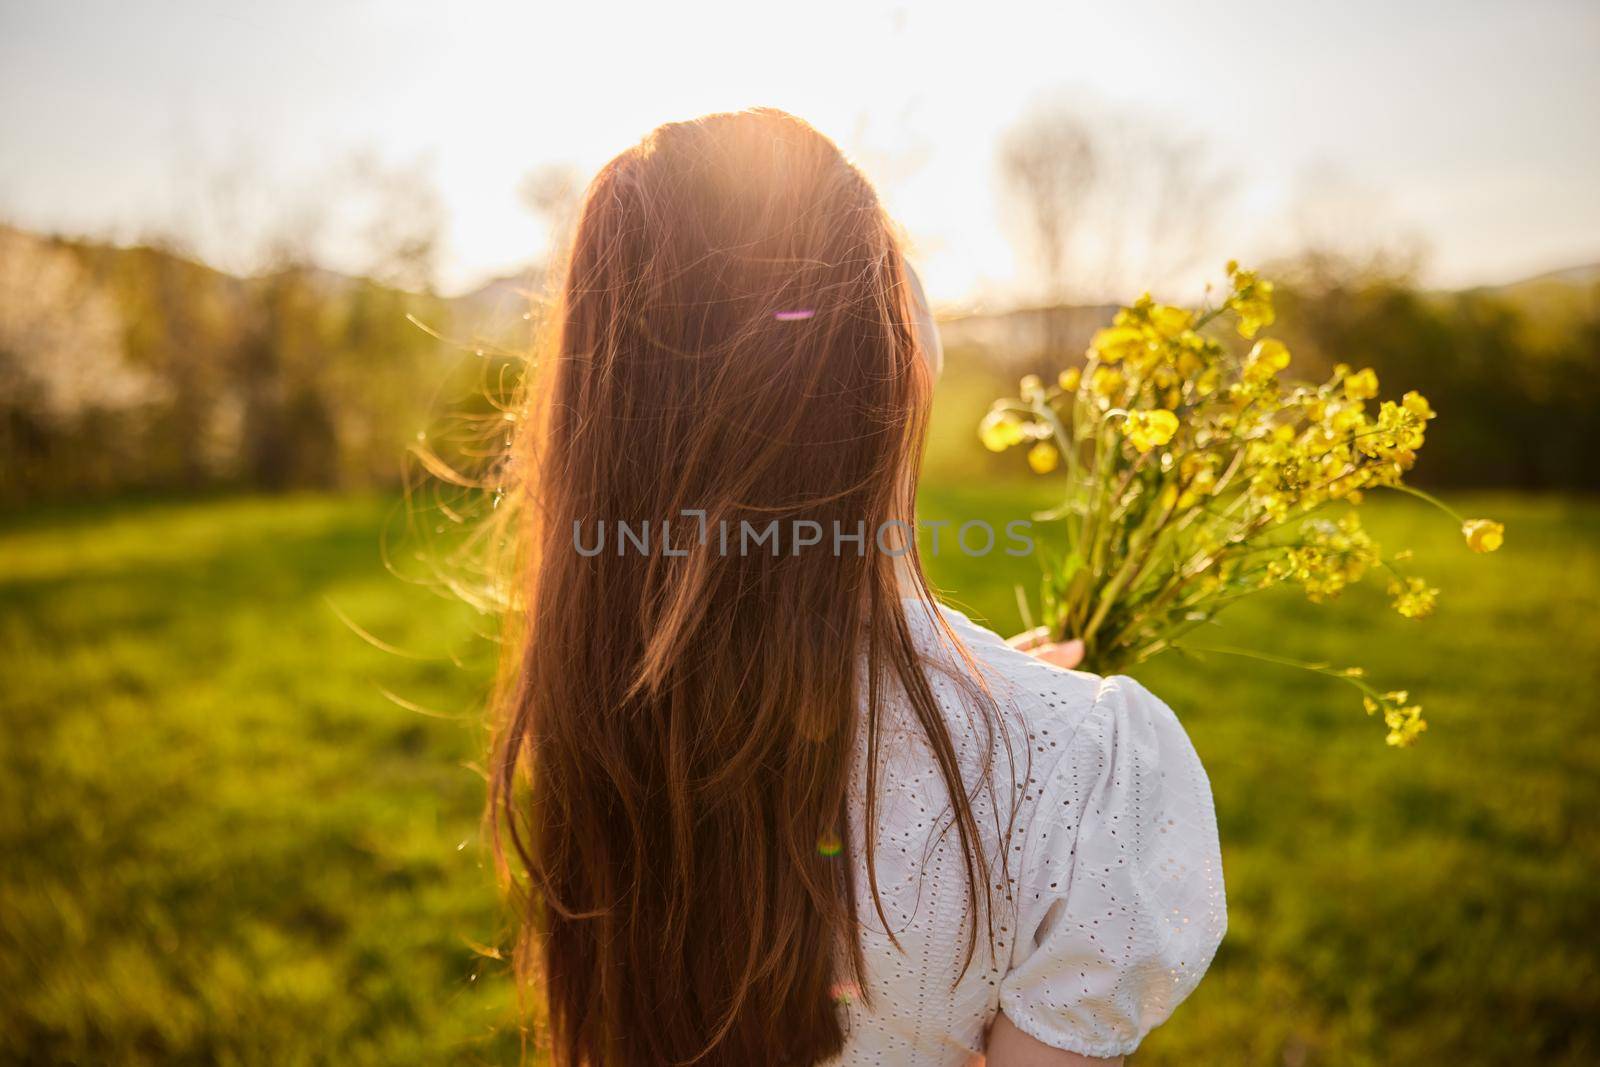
point(1110, 905)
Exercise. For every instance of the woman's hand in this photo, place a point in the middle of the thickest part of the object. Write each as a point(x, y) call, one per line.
point(1065, 654)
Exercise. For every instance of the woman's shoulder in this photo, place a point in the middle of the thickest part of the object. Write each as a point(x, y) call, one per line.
point(1113, 851)
point(1043, 696)
point(1072, 720)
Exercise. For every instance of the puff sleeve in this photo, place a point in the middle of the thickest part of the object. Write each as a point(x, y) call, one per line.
point(1120, 894)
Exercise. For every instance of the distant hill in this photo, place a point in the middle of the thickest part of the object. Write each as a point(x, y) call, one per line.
point(1587, 274)
point(1553, 300)
point(499, 309)
point(1019, 338)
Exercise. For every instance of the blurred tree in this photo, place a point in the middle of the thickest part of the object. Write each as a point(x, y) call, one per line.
point(66, 383)
point(1048, 163)
point(1513, 372)
point(554, 192)
point(126, 368)
point(1105, 204)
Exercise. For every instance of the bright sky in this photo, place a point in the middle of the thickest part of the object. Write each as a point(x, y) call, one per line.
point(1473, 125)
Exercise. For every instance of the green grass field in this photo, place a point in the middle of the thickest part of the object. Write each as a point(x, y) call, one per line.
point(223, 841)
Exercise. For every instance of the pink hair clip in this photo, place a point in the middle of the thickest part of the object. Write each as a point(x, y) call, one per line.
point(792, 316)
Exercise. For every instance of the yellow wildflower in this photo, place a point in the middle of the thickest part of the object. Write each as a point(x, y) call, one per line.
point(1363, 385)
point(1251, 300)
point(1043, 457)
point(1276, 448)
point(1404, 720)
point(1170, 322)
point(1483, 535)
point(1404, 723)
point(1266, 359)
point(1417, 404)
point(1189, 362)
point(1270, 354)
point(1330, 557)
point(1000, 430)
point(1150, 429)
point(1413, 598)
point(1106, 381)
point(1115, 343)
point(1397, 435)
point(1345, 419)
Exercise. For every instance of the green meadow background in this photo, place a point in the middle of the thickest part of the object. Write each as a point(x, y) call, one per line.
point(240, 774)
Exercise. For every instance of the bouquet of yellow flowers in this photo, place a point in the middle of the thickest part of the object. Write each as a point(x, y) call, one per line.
point(1195, 473)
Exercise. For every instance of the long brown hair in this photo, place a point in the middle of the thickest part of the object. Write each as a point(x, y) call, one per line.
point(733, 345)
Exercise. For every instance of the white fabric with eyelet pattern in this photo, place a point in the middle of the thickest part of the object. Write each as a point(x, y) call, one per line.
point(1110, 904)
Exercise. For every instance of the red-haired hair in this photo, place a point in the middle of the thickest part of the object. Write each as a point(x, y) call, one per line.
point(677, 733)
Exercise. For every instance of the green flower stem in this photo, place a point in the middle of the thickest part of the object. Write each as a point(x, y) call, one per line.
point(1159, 604)
point(1190, 570)
point(1144, 538)
point(1284, 661)
point(1068, 445)
point(1430, 498)
point(1093, 517)
point(1207, 317)
point(1147, 547)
